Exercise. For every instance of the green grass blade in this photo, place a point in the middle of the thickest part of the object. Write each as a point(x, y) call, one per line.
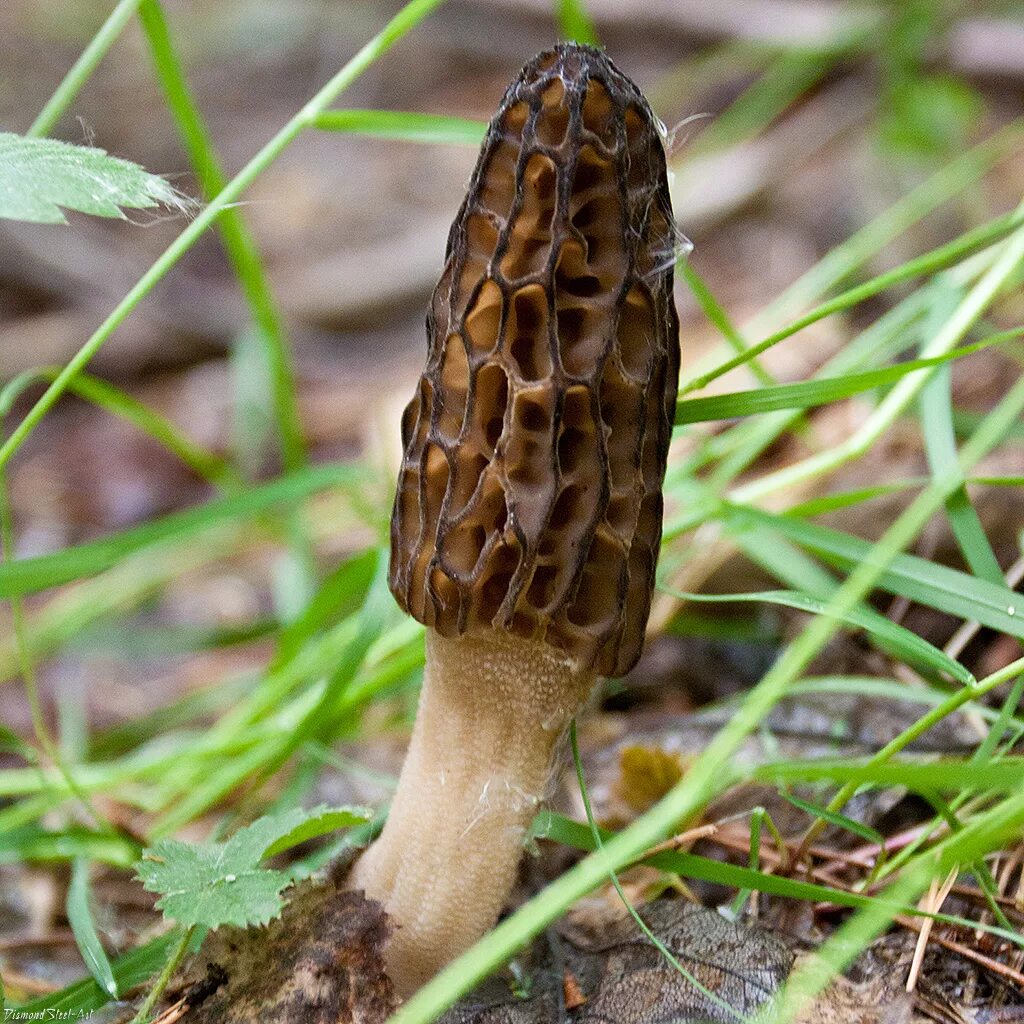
point(34, 843)
point(937, 259)
point(998, 481)
point(574, 23)
point(1002, 267)
point(29, 575)
point(337, 597)
point(792, 566)
point(901, 640)
point(80, 72)
point(119, 403)
point(238, 241)
point(377, 610)
point(986, 832)
point(945, 184)
point(845, 499)
point(965, 422)
point(787, 78)
point(403, 126)
point(713, 310)
point(841, 262)
point(945, 775)
point(729, 1010)
point(936, 586)
point(738, 447)
point(940, 446)
point(557, 828)
point(83, 997)
point(809, 393)
point(84, 928)
point(839, 820)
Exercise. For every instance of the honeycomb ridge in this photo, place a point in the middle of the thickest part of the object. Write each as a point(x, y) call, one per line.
point(529, 496)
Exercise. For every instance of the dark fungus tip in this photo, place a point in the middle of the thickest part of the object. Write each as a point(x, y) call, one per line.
point(529, 498)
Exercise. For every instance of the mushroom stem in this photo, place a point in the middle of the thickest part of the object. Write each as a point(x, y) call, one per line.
point(491, 712)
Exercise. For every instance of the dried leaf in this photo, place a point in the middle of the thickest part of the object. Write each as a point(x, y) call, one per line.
point(623, 979)
point(877, 999)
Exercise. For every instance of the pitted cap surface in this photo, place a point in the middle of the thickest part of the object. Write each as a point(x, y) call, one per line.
point(529, 497)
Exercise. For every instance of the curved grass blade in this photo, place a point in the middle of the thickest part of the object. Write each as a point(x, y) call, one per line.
point(936, 403)
point(83, 997)
point(84, 928)
point(945, 775)
point(936, 586)
point(29, 575)
point(119, 403)
point(809, 393)
point(930, 262)
point(839, 820)
point(574, 23)
point(845, 499)
point(914, 648)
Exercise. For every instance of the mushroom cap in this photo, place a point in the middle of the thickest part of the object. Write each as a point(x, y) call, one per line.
point(529, 496)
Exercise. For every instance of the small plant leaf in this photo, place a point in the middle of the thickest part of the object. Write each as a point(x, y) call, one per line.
point(39, 176)
point(319, 822)
point(202, 885)
point(215, 884)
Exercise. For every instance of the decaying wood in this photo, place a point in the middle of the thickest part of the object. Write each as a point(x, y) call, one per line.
point(319, 963)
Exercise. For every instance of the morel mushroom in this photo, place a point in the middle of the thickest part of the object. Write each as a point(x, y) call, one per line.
point(528, 514)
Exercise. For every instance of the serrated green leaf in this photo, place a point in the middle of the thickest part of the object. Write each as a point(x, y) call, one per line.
point(39, 176)
point(276, 832)
point(209, 885)
point(215, 884)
